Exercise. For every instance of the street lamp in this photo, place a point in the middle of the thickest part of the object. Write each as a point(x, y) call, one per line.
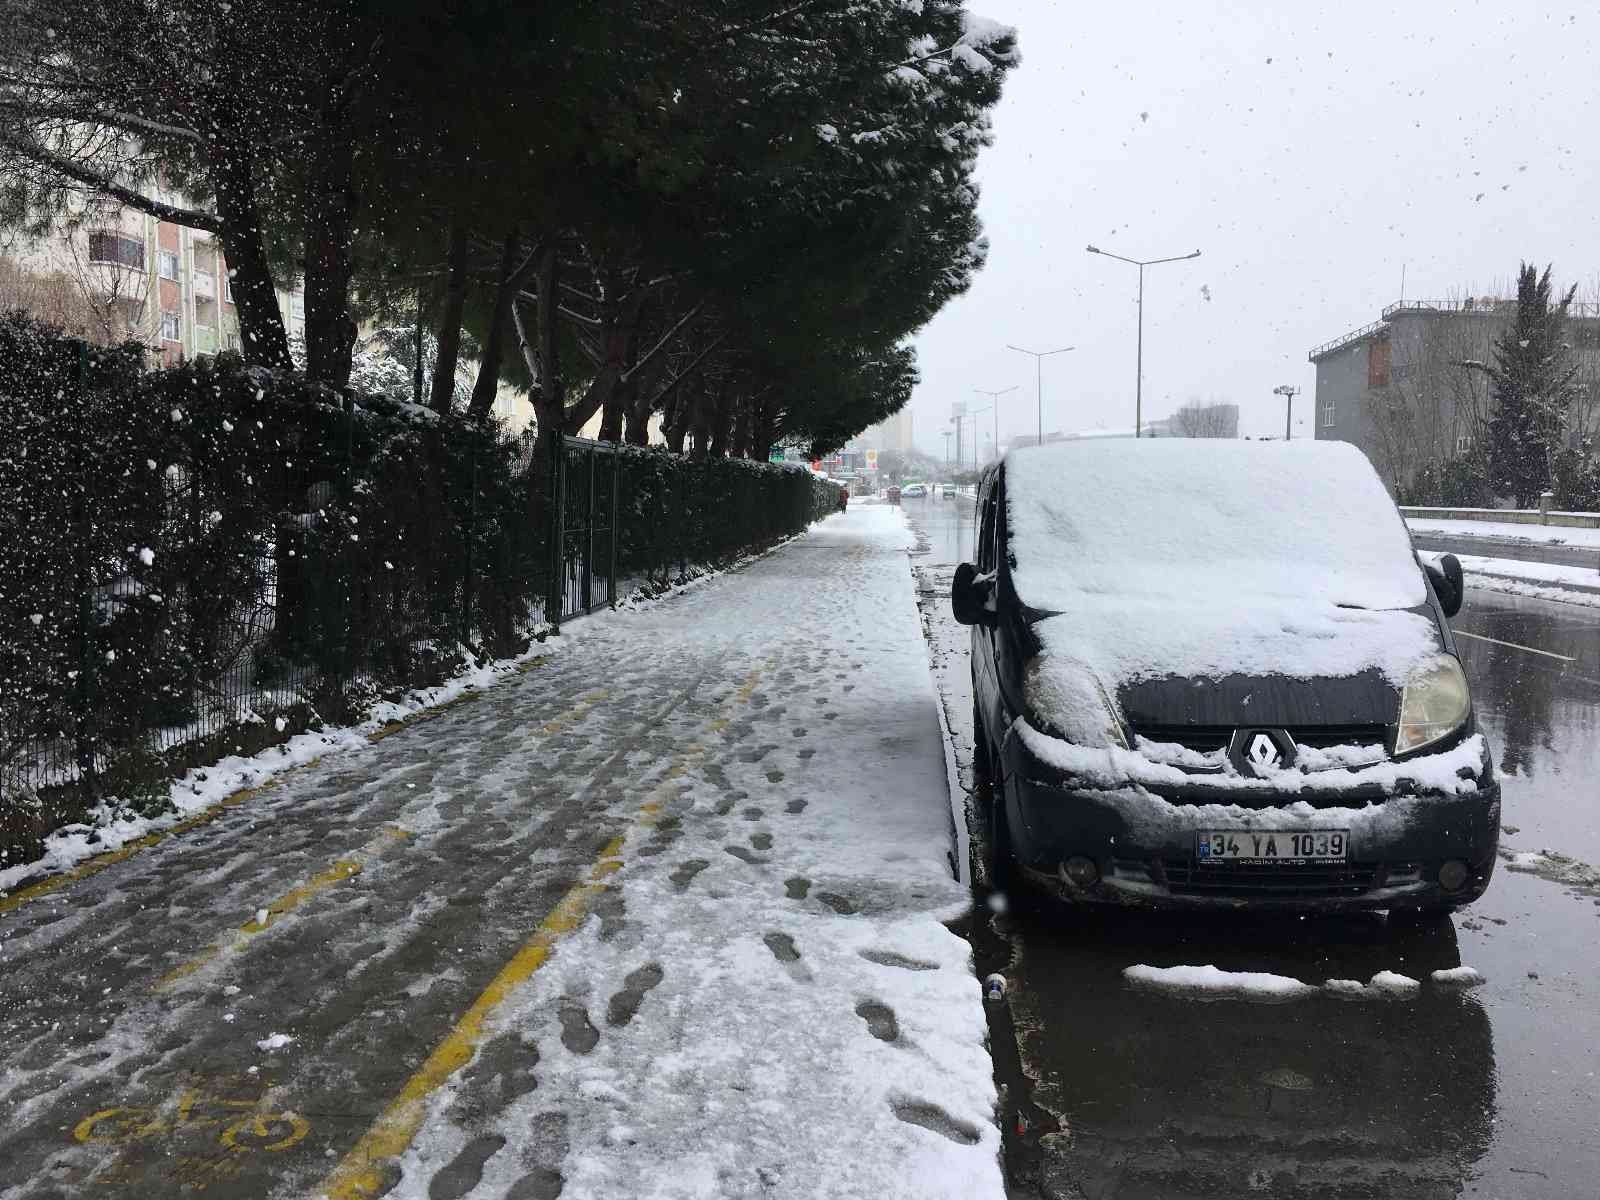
point(1038, 371)
point(994, 403)
point(1138, 384)
point(1288, 392)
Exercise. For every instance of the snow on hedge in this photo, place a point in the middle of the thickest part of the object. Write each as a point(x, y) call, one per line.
point(1179, 557)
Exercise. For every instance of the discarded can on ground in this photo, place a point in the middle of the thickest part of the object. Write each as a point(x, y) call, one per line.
point(994, 988)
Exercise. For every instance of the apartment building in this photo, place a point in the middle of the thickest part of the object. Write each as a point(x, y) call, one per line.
point(119, 274)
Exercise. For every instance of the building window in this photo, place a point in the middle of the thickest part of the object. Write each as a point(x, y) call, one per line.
point(1328, 413)
point(171, 330)
point(1463, 443)
point(1378, 359)
point(227, 286)
point(167, 264)
point(117, 249)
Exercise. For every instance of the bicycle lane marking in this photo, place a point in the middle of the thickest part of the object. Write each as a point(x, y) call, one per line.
point(361, 1174)
point(345, 868)
point(269, 915)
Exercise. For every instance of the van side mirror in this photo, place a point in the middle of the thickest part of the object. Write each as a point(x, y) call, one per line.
point(969, 597)
point(1448, 584)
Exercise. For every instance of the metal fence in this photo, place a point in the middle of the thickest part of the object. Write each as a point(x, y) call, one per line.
point(199, 562)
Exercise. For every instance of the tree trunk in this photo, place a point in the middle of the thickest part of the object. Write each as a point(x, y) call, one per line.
point(255, 298)
point(618, 334)
point(330, 211)
point(487, 384)
point(721, 422)
point(743, 420)
point(443, 392)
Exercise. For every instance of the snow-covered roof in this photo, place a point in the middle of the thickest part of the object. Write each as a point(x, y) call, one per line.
point(1207, 557)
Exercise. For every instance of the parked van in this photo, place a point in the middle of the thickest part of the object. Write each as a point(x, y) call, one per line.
point(1213, 673)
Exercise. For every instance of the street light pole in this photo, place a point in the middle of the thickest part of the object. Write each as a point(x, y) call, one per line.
point(1138, 379)
point(1288, 393)
point(994, 403)
point(975, 414)
point(1038, 376)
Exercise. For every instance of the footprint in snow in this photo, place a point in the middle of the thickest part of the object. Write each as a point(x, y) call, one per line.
point(888, 958)
point(842, 905)
point(685, 872)
point(745, 855)
point(465, 1171)
point(931, 1116)
point(626, 1002)
point(795, 806)
point(761, 841)
point(797, 887)
point(578, 1033)
point(782, 947)
point(880, 1019)
point(752, 813)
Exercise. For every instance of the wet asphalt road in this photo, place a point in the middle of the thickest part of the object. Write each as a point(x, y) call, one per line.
point(1494, 1092)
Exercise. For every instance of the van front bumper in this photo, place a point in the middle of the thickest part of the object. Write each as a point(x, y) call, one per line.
point(1143, 840)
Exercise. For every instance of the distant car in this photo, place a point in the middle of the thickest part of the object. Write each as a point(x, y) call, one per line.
point(914, 491)
point(947, 491)
point(1220, 678)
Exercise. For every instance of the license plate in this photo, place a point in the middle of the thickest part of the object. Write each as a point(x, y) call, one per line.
point(1272, 845)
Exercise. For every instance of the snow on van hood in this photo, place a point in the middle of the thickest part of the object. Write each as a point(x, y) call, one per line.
point(1199, 558)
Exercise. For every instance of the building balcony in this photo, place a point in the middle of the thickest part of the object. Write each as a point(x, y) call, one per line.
point(205, 339)
point(205, 285)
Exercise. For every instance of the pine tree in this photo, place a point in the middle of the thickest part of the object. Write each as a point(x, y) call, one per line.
point(1533, 374)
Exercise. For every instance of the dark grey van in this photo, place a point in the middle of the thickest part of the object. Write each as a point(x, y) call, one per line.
point(1211, 673)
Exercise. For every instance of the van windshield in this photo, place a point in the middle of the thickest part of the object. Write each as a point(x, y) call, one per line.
point(1207, 557)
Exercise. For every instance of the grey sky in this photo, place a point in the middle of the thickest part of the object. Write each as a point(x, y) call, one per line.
point(1307, 149)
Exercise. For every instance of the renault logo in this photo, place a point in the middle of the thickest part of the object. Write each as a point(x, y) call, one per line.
point(1258, 752)
point(1263, 752)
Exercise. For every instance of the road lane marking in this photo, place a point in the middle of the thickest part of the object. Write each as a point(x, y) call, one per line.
point(360, 1175)
point(1478, 637)
point(338, 872)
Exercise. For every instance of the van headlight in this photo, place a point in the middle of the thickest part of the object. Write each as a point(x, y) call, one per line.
point(1070, 704)
point(1434, 704)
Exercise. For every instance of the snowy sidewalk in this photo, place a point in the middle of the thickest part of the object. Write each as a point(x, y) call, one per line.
point(660, 917)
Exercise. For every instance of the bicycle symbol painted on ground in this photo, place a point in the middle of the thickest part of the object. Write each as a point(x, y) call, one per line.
point(242, 1125)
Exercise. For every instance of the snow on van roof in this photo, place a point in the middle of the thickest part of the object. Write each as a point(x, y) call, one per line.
point(1206, 557)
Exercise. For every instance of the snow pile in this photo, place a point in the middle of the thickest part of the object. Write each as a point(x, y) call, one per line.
point(274, 1041)
point(1110, 767)
point(1508, 531)
point(1202, 558)
point(1391, 983)
point(1543, 581)
point(1211, 983)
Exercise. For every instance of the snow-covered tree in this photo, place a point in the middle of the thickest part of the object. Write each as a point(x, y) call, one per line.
point(1532, 376)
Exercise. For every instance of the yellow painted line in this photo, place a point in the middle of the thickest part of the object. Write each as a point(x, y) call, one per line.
point(360, 1174)
point(100, 862)
point(346, 868)
point(576, 712)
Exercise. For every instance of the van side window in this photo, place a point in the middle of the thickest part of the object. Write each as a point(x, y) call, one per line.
point(985, 546)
